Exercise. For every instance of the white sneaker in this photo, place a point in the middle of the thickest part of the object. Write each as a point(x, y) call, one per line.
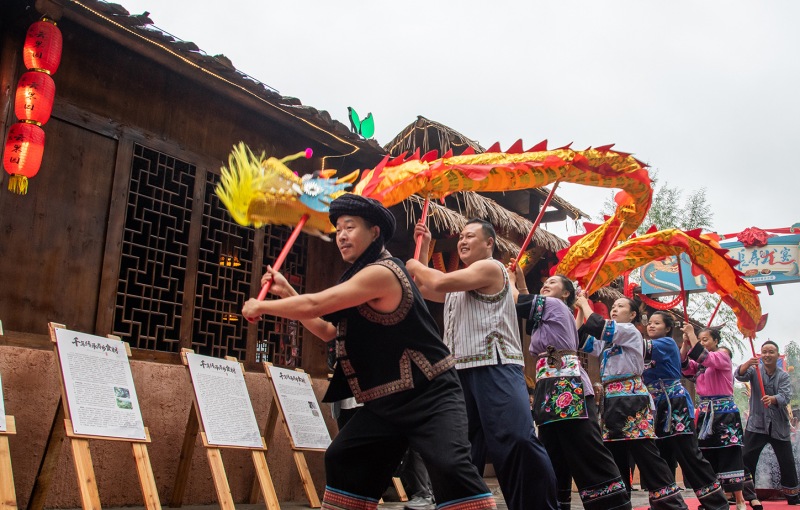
point(419, 503)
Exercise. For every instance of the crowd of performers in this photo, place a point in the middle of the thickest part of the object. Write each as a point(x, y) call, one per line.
point(459, 399)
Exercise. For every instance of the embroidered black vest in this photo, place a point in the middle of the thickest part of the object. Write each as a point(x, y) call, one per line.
point(375, 351)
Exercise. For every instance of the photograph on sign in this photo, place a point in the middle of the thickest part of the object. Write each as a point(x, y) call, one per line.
point(223, 401)
point(2, 409)
point(99, 385)
point(300, 408)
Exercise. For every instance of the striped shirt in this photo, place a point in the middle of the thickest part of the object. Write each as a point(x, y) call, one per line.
point(482, 329)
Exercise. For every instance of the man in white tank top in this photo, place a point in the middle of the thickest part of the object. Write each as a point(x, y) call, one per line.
point(482, 331)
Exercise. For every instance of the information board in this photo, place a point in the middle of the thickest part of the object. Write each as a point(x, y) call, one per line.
point(223, 401)
point(300, 409)
point(99, 386)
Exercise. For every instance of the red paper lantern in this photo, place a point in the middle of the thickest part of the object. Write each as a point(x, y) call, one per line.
point(34, 99)
point(42, 48)
point(23, 155)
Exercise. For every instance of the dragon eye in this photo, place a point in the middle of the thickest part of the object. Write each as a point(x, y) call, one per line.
point(311, 188)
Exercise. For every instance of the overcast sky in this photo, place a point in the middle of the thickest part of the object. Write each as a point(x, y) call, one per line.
point(705, 92)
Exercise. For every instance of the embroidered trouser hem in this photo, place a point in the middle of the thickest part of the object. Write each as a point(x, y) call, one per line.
point(432, 421)
point(664, 493)
point(697, 471)
point(577, 451)
point(728, 464)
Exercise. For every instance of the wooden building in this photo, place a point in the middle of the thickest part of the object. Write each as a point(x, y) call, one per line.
point(121, 233)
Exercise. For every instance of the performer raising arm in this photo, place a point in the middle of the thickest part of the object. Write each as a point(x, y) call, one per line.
point(482, 331)
point(627, 416)
point(674, 418)
point(769, 418)
point(719, 425)
point(389, 357)
point(563, 402)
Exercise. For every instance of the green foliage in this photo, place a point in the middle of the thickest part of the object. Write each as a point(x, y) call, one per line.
point(741, 398)
point(792, 366)
point(669, 210)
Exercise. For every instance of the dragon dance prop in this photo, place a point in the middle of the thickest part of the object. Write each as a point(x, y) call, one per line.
point(708, 259)
point(393, 180)
point(259, 191)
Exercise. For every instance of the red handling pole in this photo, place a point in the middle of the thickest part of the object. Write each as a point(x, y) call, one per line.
point(422, 219)
point(683, 292)
point(758, 369)
point(603, 260)
point(535, 224)
point(714, 313)
point(284, 252)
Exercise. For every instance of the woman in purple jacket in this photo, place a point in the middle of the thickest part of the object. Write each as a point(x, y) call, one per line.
point(563, 400)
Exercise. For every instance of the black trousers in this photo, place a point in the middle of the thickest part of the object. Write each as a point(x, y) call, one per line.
point(576, 450)
point(414, 475)
point(754, 442)
point(697, 471)
point(669, 457)
point(654, 473)
point(729, 465)
point(500, 426)
point(432, 420)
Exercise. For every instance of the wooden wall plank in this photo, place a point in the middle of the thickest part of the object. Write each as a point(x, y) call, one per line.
point(53, 237)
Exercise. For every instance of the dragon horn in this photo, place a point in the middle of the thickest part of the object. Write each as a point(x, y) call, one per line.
point(351, 178)
point(302, 154)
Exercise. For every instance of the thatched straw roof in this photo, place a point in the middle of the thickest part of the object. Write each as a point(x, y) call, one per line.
point(511, 227)
point(427, 135)
point(607, 294)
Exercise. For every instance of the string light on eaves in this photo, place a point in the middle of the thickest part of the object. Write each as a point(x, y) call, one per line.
point(220, 78)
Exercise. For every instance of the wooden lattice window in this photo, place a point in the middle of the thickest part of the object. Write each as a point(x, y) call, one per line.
point(156, 252)
point(279, 340)
point(155, 247)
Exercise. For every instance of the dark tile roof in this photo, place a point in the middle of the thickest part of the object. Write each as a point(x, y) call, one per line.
point(219, 66)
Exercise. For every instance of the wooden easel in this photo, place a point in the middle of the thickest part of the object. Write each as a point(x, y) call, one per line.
point(82, 457)
point(214, 455)
point(276, 412)
point(8, 497)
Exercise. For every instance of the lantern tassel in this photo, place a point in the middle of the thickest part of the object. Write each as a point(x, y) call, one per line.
point(18, 184)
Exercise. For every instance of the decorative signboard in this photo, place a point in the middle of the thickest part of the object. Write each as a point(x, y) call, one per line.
point(300, 409)
point(773, 264)
point(223, 401)
point(99, 386)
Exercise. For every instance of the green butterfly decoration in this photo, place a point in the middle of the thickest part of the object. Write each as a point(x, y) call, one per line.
point(365, 127)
